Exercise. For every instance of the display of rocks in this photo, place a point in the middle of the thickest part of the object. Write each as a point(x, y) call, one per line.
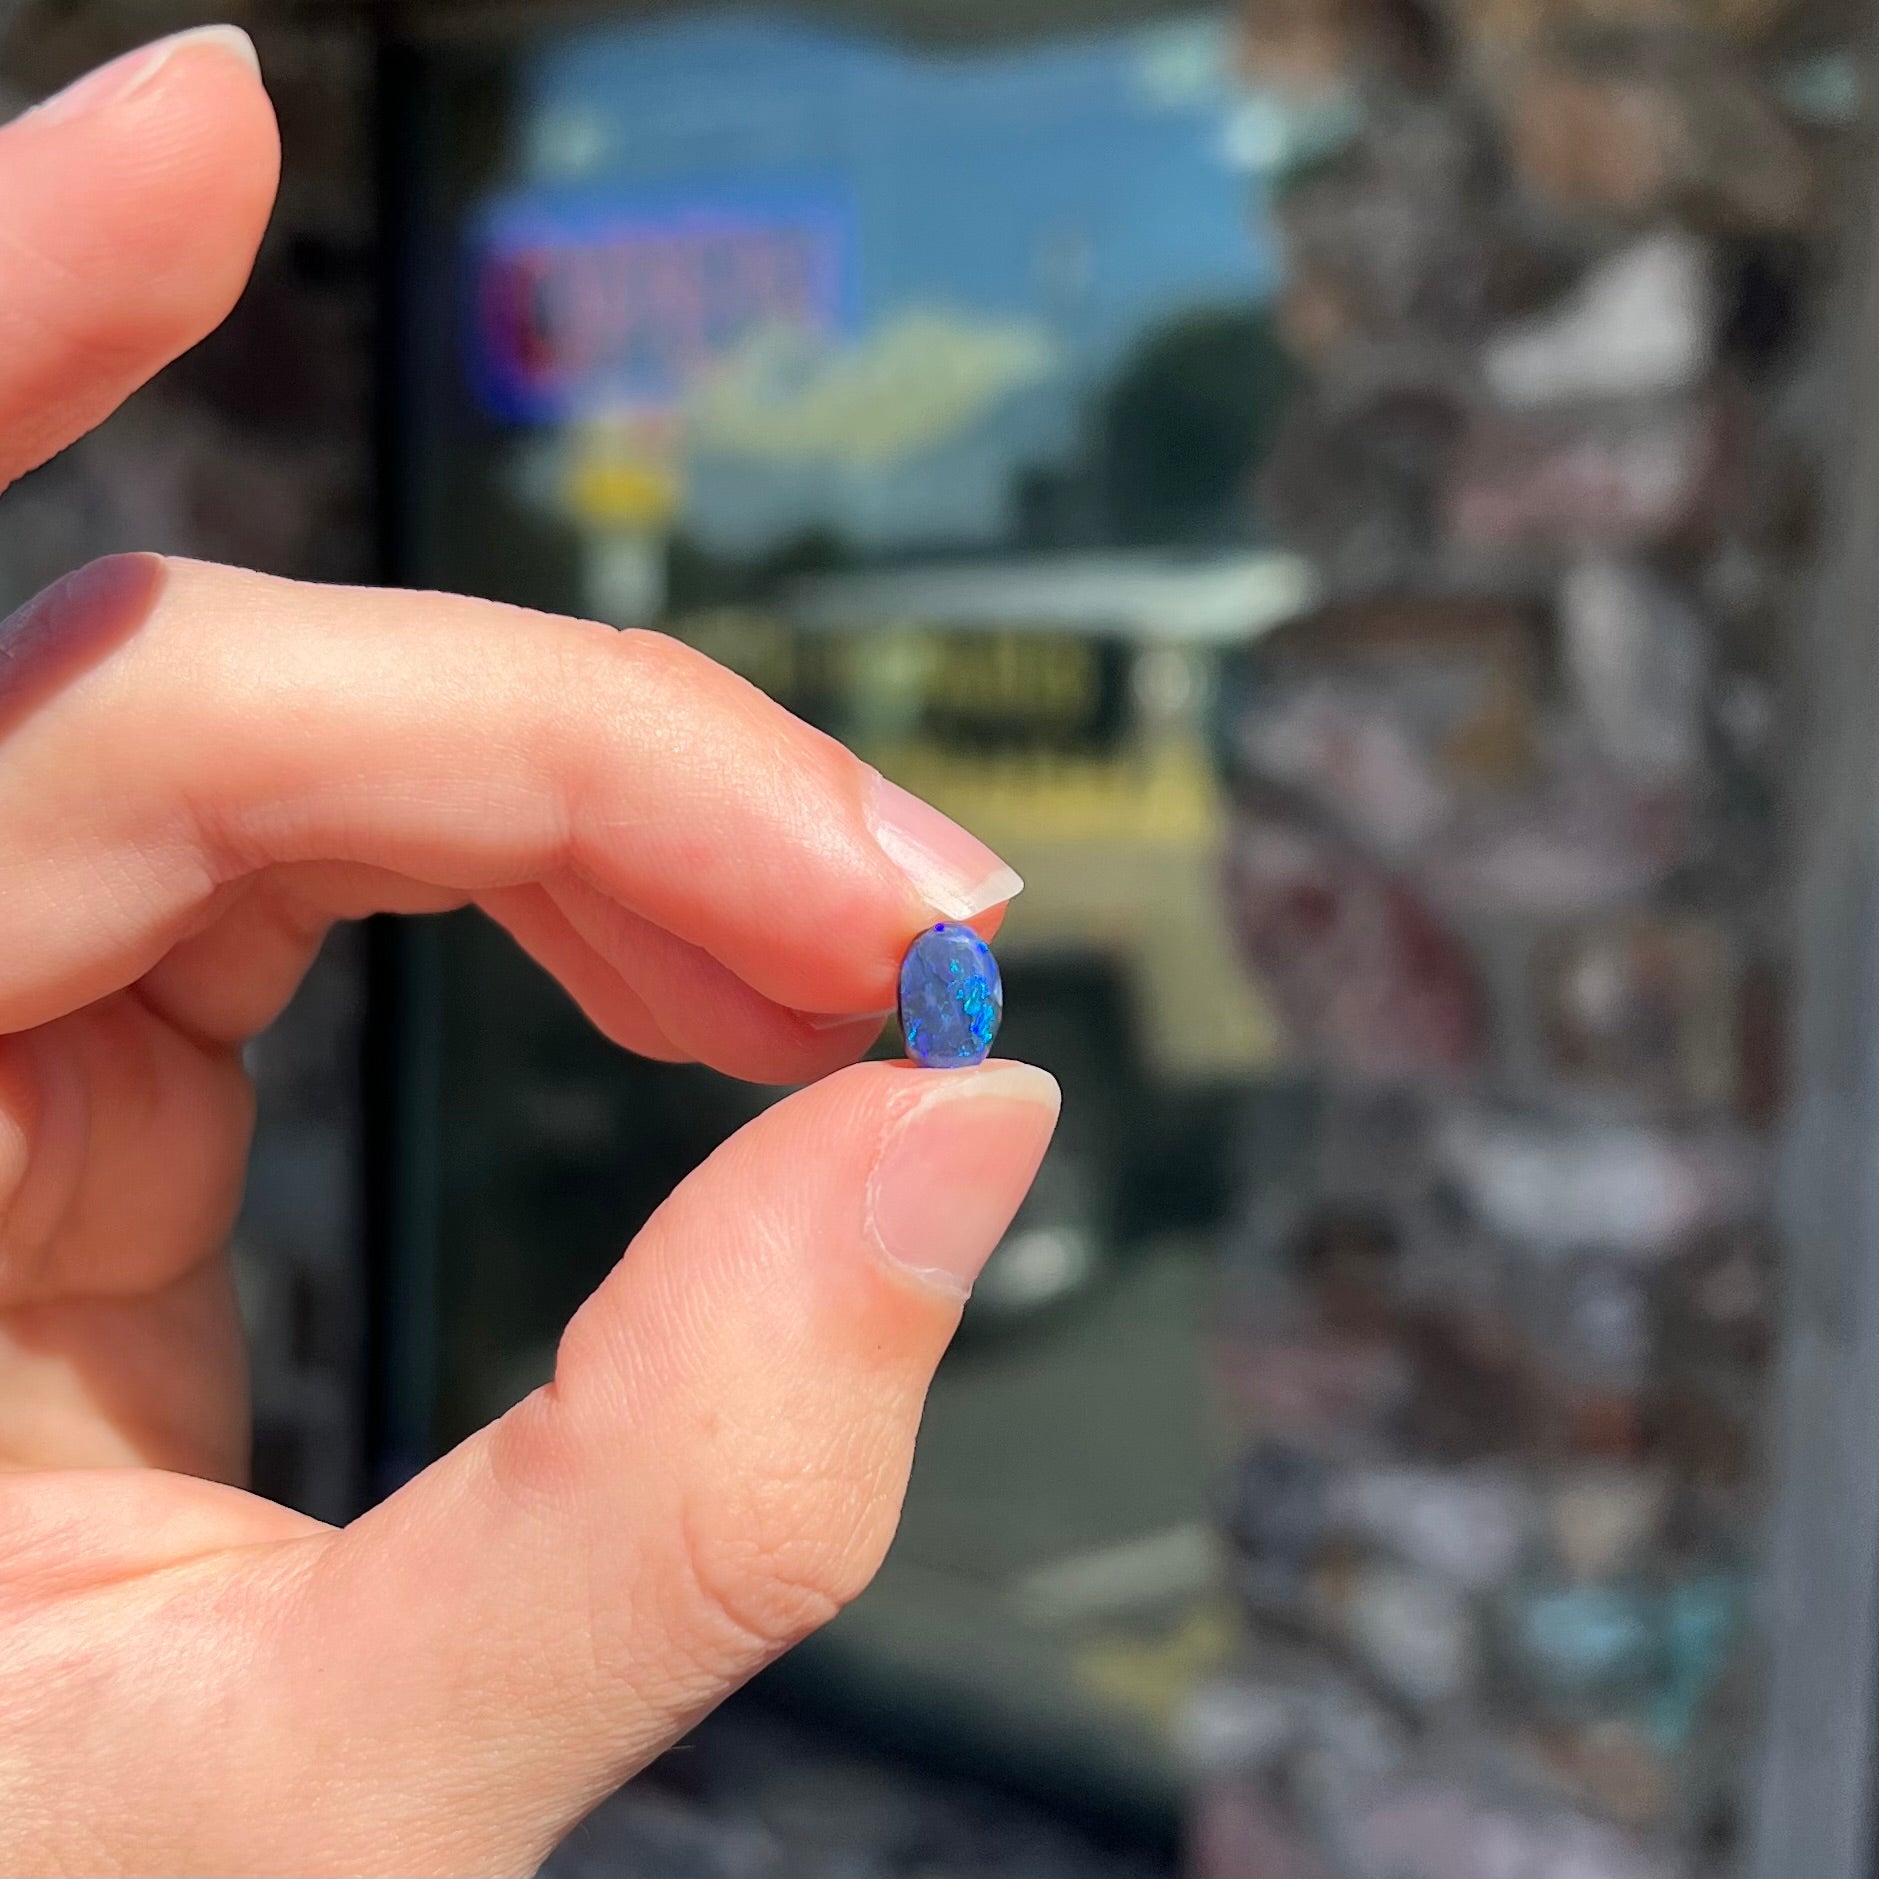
point(1504, 858)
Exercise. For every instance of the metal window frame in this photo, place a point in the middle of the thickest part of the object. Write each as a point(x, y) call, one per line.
point(1815, 1788)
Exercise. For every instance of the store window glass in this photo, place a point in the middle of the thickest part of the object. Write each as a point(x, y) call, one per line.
point(1332, 494)
point(927, 386)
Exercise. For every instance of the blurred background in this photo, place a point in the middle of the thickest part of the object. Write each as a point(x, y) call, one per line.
point(1367, 505)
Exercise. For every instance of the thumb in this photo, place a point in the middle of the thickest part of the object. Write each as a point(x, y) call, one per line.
point(716, 1468)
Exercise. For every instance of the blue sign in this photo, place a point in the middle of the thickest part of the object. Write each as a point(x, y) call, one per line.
point(609, 303)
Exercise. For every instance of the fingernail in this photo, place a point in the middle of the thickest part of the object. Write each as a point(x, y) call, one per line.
point(955, 873)
point(954, 1167)
point(110, 84)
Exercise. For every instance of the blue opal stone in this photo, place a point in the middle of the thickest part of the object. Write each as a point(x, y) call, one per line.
point(950, 998)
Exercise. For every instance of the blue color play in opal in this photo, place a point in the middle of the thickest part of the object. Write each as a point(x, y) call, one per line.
point(950, 998)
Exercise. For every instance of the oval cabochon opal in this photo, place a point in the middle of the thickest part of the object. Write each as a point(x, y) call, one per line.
point(951, 998)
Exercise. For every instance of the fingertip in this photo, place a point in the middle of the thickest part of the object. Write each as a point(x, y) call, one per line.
point(131, 208)
point(954, 1165)
point(121, 78)
point(200, 144)
point(175, 143)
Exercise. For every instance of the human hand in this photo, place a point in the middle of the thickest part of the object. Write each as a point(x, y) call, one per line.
point(200, 770)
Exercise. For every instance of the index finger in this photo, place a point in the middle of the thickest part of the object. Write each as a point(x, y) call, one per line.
point(168, 728)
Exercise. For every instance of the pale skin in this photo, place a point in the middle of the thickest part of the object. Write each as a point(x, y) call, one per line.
point(200, 771)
